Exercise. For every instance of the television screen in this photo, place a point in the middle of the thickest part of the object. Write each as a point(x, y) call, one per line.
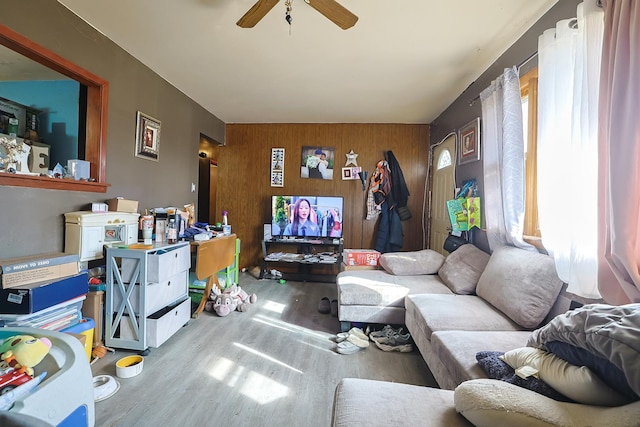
point(306, 216)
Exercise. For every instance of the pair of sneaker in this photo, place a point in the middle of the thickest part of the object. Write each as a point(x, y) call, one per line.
point(352, 341)
point(390, 339)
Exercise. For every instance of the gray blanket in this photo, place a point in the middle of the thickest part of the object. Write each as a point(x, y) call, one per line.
point(609, 332)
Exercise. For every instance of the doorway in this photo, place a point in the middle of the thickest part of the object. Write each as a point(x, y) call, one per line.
point(443, 189)
point(207, 180)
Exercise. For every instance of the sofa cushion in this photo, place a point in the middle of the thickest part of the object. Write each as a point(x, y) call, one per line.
point(578, 383)
point(364, 402)
point(379, 288)
point(497, 403)
point(462, 269)
point(453, 312)
point(457, 350)
point(522, 284)
point(426, 261)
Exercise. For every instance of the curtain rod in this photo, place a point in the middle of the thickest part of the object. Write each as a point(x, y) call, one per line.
point(529, 58)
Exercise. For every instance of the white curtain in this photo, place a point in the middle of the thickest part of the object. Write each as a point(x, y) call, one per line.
point(619, 154)
point(503, 161)
point(569, 58)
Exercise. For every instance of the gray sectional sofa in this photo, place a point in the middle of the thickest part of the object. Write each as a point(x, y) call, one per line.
point(454, 308)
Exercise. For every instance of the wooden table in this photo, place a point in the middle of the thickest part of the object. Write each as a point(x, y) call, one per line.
point(211, 257)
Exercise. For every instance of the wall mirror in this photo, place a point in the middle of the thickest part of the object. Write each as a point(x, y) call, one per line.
point(78, 133)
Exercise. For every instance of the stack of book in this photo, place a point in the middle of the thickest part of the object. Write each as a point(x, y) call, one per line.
point(42, 291)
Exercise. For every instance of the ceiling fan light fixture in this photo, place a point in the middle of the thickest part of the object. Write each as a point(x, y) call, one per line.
point(331, 9)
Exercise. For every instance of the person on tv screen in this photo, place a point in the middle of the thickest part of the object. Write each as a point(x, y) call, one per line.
point(302, 224)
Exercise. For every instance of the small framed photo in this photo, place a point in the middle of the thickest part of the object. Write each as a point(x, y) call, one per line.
point(147, 137)
point(351, 173)
point(469, 142)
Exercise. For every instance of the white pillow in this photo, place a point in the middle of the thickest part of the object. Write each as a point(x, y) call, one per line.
point(578, 383)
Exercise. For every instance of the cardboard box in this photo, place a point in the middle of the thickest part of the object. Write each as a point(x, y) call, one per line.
point(26, 270)
point(346, 267)
point(123, 205)
point(33, 298)
point(360, 257)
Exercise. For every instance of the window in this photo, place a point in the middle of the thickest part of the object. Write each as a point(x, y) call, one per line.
point(92, 138)
point(529, 95)
point(444, 160)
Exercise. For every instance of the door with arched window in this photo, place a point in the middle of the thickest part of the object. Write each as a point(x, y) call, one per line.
point(443, 188)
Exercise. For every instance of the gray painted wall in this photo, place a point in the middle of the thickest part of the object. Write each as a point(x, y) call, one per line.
point(460, 112)
point(33, 218)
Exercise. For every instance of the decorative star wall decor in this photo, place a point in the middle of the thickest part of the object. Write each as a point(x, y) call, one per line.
point(351, 159)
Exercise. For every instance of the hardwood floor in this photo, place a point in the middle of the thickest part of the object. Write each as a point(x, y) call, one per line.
point(274, 365)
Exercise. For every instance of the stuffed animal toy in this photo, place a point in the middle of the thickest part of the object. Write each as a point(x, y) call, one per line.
point(23, 352)
point(231, 299)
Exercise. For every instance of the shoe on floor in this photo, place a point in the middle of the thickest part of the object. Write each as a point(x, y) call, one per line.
point(334, 307)
point(402, 348)
point(359, 333)
point(387, 330)
point(356, 340)
point(324, 306)
point(346, 347)
point(395, 339)
point(342, 336)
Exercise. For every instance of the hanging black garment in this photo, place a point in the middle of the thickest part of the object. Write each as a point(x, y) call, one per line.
point(399, 191)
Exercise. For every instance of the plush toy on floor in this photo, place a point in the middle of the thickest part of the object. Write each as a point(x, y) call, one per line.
point(231, 299)
point(23, 352)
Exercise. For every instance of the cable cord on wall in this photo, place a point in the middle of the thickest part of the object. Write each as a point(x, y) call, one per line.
point(426, 196)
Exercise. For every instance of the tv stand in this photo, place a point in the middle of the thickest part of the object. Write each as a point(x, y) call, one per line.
point(302, 259)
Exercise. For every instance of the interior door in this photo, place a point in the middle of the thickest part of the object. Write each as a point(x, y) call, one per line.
point(443, 189)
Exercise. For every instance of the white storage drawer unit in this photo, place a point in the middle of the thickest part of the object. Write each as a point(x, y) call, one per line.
point(161, 264)
point(160, 325)
point(157, 294)
point(147, 294)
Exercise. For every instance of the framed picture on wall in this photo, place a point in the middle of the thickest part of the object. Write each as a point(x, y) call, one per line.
point(277, 167)
point(469, 142)
point(317, 162)
point(147, 137)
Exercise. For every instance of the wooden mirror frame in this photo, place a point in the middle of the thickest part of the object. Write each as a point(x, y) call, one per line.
point(96, 117)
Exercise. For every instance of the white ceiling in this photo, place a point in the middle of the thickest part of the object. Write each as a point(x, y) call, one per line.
point(403, 62)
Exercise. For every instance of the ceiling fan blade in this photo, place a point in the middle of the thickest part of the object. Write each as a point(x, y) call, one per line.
point(335, 12)
point(256, 13)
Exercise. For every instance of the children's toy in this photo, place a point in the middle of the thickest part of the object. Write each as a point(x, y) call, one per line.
point(232, 298)
point(23, 352)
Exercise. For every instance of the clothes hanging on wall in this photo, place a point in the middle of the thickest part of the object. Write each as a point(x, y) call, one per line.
point(399, 190)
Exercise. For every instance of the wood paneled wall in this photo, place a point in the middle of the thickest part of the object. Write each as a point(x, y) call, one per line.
point(244, 188)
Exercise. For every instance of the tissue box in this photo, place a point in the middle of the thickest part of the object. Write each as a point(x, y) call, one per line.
point(123, 205)
point(79, 169)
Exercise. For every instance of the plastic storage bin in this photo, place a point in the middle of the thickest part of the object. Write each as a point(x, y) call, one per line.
point(65, 396)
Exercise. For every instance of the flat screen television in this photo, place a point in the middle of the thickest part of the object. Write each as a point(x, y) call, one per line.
point(306, 216)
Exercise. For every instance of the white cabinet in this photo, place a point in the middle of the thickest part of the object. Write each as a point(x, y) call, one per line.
point(147, 295)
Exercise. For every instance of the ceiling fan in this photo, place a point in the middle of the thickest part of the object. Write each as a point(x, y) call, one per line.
point(331, 9)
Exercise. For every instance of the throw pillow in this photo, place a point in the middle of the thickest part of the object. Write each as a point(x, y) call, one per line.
point(607, 371)
point(522, 284)
point(462, 269)
point(498, 369)
point(578, 383)
point(425, 261)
